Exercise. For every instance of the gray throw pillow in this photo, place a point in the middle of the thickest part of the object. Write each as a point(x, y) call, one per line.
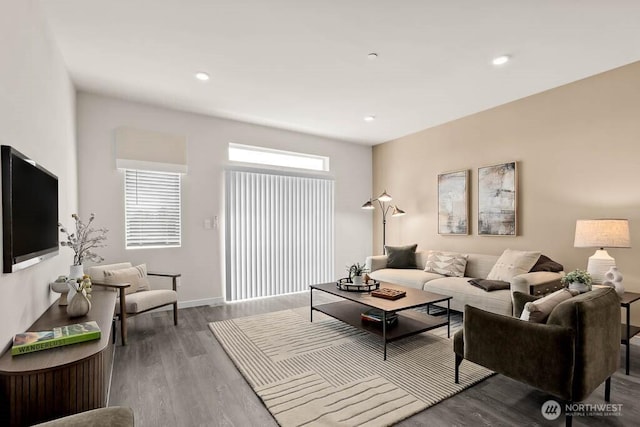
point(401, 256)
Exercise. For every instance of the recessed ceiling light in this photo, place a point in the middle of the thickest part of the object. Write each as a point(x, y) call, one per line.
point(369, 118)
point(372, 55)
point(202, 76)
point(501, 60)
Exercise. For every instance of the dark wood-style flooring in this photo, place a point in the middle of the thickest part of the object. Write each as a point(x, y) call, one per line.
point(180, 376)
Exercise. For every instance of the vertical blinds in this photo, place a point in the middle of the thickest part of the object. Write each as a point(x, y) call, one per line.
point(279, 233)
point(152, 209)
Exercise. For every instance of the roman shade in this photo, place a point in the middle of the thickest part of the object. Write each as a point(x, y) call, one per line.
point(149, 150)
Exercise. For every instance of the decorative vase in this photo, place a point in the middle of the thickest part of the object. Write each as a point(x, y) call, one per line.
point(580, 287)
point(79, 305)
point(613, 278)
point(357, 280)
point(60, 286)
point(76, 271)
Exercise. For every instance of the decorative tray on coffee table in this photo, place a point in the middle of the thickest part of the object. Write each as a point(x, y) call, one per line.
point(346, 284)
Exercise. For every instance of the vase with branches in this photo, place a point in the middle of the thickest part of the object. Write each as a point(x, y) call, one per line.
point(84, 240)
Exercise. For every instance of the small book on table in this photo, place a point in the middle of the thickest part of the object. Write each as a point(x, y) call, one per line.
point(28, 342)
point(374, 316)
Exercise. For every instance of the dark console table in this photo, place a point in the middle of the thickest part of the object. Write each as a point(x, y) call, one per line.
point(53, 383)
point(628, 330)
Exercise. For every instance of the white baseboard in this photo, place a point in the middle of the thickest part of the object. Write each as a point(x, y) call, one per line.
point(201, 302)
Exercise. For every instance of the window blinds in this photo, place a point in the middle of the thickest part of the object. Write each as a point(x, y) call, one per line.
point(152, 209)
point(279, 233)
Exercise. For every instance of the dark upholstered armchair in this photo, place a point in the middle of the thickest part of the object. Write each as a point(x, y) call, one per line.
point(568, 357)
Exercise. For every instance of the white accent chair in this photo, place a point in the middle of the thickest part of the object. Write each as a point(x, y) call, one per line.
point(141, 301)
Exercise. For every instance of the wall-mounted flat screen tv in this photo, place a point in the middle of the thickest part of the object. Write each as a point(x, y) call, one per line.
point(29, 211)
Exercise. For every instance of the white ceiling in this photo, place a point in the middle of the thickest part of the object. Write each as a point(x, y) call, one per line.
point(302, 64)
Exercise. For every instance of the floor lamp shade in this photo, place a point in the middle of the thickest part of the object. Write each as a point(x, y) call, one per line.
point(383, 201)
point(601, 233)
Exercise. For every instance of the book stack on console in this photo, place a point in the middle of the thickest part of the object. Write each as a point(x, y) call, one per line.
point(29, 342)
point(374, 316)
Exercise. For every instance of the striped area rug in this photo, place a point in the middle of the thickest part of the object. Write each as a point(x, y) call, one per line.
point(327, 373)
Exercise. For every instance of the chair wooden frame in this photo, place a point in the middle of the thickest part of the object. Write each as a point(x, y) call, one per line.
point(121, 287)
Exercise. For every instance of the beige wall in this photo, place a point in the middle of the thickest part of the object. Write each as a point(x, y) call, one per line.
point(37, 117)
point(578, 153)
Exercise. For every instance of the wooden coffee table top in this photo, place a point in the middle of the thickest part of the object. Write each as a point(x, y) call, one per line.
point(414, 297)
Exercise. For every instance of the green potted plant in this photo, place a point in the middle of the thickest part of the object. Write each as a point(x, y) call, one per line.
point(578, 279)
point(356, 271)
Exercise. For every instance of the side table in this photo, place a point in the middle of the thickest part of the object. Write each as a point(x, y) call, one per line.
point(628, 330)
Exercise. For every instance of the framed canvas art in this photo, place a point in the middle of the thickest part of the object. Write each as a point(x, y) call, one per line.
point(453, 203)
point(497, 200)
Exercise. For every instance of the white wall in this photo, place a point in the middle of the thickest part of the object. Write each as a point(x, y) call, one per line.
point(201, 257)
point(37, 117)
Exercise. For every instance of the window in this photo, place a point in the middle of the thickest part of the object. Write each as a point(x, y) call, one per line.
point(152, 209)
point(271, 157)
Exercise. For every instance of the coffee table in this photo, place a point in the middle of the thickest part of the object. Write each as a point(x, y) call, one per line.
point(409, 322)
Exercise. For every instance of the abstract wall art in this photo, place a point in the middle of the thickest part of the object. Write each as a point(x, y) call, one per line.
point(497, 200)
point(453, 203)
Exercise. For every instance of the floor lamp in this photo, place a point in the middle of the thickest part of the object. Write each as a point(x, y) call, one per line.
point(383, 200)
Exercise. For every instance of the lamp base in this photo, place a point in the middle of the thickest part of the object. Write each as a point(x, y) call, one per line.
point(599, 264)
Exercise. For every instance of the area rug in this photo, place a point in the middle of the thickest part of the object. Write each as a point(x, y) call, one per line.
point(327, 373)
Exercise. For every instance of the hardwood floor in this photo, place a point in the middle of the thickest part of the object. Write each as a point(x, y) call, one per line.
point(180, 376)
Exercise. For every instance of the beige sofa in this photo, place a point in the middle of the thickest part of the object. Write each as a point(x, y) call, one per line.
point(478, 267)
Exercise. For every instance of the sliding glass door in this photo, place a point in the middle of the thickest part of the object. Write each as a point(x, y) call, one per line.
point(279, 233)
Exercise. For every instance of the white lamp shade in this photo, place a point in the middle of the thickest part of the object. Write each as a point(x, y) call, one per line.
point(602, 233)
point(384, 197)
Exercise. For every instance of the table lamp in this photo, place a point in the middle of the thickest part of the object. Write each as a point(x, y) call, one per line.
point(601, 233)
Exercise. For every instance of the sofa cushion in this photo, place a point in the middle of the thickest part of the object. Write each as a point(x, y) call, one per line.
point(512, 263)
point(463, 293)
point(412, 278)
point(143, 301)
point(479, 265)
point(539, 310)
point(401, 256)
point(451, 264)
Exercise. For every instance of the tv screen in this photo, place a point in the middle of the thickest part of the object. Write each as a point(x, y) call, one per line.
point(29, 211)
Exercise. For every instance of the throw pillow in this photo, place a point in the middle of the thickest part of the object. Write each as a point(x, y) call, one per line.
point(512, 263)
point(545, 263)
point(401, 256)
point(136, 276)
point(538, 310)
point(490, 285)
point(450, 264)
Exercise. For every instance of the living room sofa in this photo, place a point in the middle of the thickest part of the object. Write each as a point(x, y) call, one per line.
point(478, 267)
